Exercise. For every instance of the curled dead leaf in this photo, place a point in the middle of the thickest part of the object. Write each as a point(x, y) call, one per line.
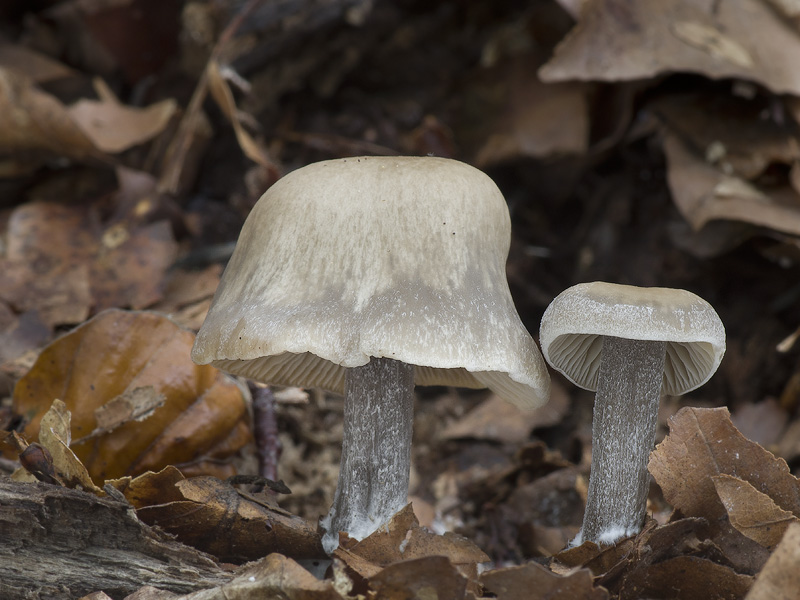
point(751, 512)
point(203, 420)
point(114, 127)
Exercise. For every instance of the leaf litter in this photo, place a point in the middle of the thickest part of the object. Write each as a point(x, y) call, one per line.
point(111, 178)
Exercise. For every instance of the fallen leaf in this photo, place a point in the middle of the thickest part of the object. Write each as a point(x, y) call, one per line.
point(780, 577)
point(429, 577)
point(55, 435)
point(731, 132)
point(712, 41)
point(211, 515)
point(38, 67)
point(532, 581)
point(202, 423)
point(36, 127)
point(617, 40)
point(497, 420)
point(703, 194)
point(113, 127)
point(751, 512)
point(685, 578)
point(62, 263)
point(702, 444)
point(130, 273)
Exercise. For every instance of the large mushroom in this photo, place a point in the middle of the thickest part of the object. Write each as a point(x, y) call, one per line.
point(630, 345)
point(364, 276)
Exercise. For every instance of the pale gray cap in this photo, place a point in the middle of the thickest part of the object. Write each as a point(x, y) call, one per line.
point(395, 257)
point(573, 326)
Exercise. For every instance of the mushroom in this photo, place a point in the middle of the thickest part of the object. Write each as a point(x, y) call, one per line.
point(364, 276)
point(630, 345)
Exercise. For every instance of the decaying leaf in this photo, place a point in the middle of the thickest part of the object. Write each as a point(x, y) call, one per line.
point(780, 577)
point(62, 263)
point(32, 64)
point(619, 40)
point(202, 422)
point(114, 127)
point(428, 577)
point(703, 194)
point(751, 512)
point(497, 420)
point(403, 542)
point(702, 444)
point(210, 515)
point(741, 137)
point(532, 581)
point(685, 578)
point(35, 127)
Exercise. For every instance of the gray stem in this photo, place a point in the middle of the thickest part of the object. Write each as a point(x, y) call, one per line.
point(623, 435)
point(376, 449)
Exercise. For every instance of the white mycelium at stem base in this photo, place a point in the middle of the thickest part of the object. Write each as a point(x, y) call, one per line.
point(623, 434)
point(345, 263)
point(630, 345)
point(376, 449)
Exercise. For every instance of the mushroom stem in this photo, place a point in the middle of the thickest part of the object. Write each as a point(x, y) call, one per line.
point(623, 435)
point(376, 449)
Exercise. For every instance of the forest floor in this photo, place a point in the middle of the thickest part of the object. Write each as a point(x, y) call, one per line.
point(654, 143)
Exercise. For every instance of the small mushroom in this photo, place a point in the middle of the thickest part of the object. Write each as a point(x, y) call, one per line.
point(364, 276)
point(630, 345)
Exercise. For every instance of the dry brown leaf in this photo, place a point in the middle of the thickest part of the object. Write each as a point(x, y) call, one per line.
point(751, 512)
point(403, 541)
point(730, 131)
point(703, 194)
point(685, 578)
point(429, 577)
point(55, 436)
point(62, 263)
point(114, 127)
point(702, 444)
point(131, 264)
point(202, 423)
point(36, 66)
point(24, 333)
point(619, 40)
point(533, 582)
point(212, 516)
point(150, 488)
point(780, 577)
point(497, 420)
point(35, 126)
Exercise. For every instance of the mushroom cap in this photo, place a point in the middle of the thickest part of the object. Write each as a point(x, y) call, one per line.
point(395, 257)
point(574, 323)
